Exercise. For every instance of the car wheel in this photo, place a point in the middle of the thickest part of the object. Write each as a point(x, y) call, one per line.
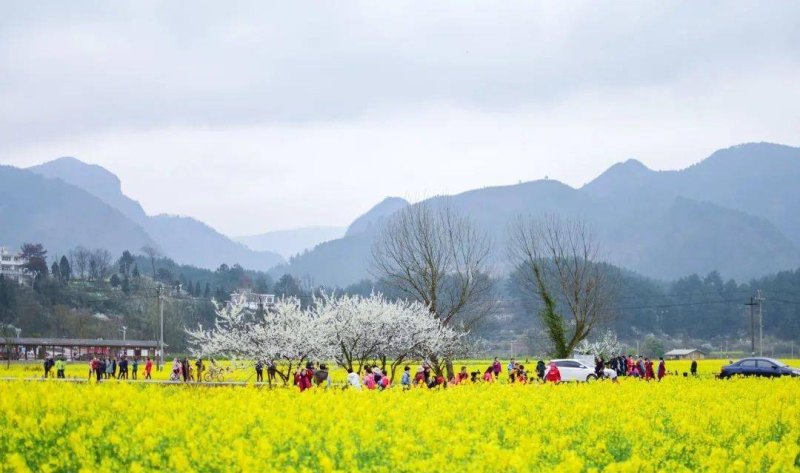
point(591, 378)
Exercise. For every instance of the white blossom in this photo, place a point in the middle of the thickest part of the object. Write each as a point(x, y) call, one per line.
point(350, 330)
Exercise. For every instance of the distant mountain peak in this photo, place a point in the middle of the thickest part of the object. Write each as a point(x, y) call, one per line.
point(69, 168)
point(622, 175)
point(94, 179)
point(369, 220)
point(751, 153)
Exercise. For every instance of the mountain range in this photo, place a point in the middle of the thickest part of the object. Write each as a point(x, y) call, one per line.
point(735, 212)
point(69, 203)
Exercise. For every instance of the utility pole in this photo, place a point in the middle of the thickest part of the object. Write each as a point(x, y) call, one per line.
point(161, 323)
point(759, 300)
point(124, 331)
point(752, 304)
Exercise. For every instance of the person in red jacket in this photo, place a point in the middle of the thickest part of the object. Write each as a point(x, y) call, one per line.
point(148, 367)
point(662, 368)
point(553, 375)
point(648, 369)
point(303, 379)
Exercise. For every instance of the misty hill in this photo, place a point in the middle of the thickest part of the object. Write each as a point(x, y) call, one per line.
point(715, 215)
point(291, 242)
point(371, 220)
point(183, 239)
point(756, 178)
point(344, 260)
point(190, 241)
point(95, 180)
point(61, 216)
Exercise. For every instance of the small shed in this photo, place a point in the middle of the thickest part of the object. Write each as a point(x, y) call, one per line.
point(684, 354)
point(74, 348)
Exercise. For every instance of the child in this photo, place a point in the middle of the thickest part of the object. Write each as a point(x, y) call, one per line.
point(369, 379)
point(405, 381)
point(487, 375)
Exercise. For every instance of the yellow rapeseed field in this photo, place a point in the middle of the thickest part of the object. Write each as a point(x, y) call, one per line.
point(680, 424)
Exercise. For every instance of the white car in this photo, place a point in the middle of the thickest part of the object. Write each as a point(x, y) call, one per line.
point(574, 370)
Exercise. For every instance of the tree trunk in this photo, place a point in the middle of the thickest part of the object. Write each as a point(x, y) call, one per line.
point(450, 371)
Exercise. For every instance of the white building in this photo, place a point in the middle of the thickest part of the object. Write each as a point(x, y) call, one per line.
point(12, 266)
point(251, 300)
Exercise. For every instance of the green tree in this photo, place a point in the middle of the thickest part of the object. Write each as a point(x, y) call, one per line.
point(115, 282)
point(64, 269)
point(55, 271)
point(207, 292)
point(125, 262)
point(135, 272)
point(652, 347)
point(287, 286)
point(126, 285)
point(35, 257)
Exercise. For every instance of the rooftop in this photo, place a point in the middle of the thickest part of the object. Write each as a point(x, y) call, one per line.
point(682, 351)
point(81, 342)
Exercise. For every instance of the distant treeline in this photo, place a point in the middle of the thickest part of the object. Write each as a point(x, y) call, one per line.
point(90, 293)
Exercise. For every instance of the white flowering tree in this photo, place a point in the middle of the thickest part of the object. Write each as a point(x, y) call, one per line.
point(225, 337)
point(350, 330)
point(286, 335)
point(363, 329)
point(605, 346)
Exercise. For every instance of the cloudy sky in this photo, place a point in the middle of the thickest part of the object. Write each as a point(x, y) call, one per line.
point(257, 116)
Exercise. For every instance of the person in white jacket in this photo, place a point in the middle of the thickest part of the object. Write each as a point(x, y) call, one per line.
point(353, 379)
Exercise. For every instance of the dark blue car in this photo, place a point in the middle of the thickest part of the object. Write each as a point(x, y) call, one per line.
point(758, 366)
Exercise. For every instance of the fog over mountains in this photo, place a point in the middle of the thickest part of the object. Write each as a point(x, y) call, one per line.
point(184, 239)
point(735, 212)
point(288, 243)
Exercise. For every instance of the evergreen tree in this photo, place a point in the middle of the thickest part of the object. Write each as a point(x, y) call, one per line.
point(64, 269)
point(126, 285)
point(125, 262)
point(55, 271)
point(207, 292)
point(135, 272)
point(8, 300)
point(115, 282)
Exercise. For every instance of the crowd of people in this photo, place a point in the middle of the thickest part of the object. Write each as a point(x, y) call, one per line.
point(372, 377)
point(118, 368)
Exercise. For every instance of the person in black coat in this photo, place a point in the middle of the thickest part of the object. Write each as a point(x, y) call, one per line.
point(540, 369)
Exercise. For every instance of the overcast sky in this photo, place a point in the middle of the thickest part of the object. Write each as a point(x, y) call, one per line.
point(260, 116)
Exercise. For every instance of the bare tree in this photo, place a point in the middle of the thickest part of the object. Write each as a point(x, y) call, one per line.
point(557, 261)
point(80, 261)
point(99, 264)
point(433, 255)
point(152, 254)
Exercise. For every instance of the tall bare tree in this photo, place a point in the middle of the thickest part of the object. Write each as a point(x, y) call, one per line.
point(99, 264)
point(152, 254)
point(557, 260)
point(80, 261)
point(434, 255)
